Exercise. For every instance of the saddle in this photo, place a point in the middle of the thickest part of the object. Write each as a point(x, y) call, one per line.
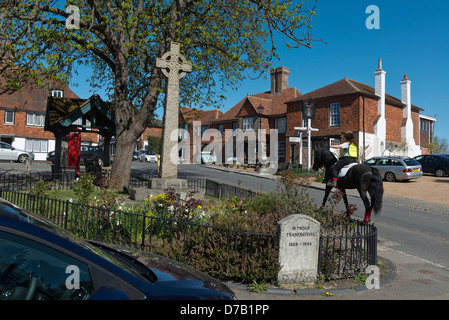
point(345, 169)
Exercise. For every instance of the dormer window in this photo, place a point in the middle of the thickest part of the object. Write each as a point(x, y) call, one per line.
point(57, 93)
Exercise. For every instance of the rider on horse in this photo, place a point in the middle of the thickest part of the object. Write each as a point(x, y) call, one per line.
point(349, 156)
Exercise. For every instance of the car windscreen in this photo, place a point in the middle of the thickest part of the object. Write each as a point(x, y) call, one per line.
point(411, 162)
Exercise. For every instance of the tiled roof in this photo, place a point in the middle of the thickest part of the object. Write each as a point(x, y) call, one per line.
point(274, 104)
point(348, 86)
point(205, 116)
point(32, 98)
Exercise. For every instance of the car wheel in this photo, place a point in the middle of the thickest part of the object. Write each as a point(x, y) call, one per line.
point(22, 158)
point(390, 177)
point(440, 172)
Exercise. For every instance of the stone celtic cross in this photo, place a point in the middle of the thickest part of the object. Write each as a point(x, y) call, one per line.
point(174, 67)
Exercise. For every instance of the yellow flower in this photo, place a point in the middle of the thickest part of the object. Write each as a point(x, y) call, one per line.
point(191, 213)
point(199, 207)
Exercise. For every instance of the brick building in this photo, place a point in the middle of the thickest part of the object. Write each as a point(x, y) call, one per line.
point(382, 124)
point(22, 118)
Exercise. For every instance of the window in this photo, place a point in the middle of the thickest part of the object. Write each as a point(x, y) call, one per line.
point(32, 260)
point(57, 93)
point(281, 149)
point(9, 117)
point(424, 125)
point(248, 123)
point(220, 130)
point(36, 145)
point(334, 114)
point(35, 119)
point(280, 124)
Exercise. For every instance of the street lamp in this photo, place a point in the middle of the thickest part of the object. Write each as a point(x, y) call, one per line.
point(260, 110)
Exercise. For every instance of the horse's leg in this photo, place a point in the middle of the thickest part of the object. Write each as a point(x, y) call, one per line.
point(366, 202)
point(345, 200)
point(326, 195)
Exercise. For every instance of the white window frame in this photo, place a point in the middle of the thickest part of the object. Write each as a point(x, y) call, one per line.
point(248, 123)
point(36, 145)
point(35, 119)
point(6, 116)
point(57, 93)
point(334, 114)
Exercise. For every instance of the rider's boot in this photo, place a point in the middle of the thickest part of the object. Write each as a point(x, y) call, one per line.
point(332, 183)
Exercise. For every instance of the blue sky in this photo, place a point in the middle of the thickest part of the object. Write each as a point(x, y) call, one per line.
point(412, 40)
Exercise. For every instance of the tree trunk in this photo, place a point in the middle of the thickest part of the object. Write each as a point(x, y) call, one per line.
point(121, 167)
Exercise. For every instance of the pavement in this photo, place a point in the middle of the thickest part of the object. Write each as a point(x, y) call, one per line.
point(412, 278)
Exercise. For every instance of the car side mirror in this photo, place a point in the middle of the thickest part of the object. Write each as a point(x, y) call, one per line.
point(109, 293)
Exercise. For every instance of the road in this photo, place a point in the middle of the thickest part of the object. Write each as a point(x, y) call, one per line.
point(419, 233)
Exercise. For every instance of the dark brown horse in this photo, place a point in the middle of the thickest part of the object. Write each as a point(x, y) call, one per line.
point(362, 177)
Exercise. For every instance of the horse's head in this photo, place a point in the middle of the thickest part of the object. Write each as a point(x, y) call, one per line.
point(323, 157)
point(318, 160)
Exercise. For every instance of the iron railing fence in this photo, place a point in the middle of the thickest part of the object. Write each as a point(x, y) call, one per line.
point(349, 252)
point(145, 232)
point(63, 181)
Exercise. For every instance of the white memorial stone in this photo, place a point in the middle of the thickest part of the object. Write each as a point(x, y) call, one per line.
point(174, 67)
point(299, 237)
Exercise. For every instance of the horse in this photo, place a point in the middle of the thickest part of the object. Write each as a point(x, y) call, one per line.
point(362, 177)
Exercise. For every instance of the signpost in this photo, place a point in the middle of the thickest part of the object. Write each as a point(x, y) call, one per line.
point(308, 112)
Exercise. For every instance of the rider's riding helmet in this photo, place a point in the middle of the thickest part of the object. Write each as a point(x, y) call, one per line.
point(349, 135)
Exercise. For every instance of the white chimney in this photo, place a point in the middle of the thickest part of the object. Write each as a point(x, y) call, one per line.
point(380, 128)
point(407, 128)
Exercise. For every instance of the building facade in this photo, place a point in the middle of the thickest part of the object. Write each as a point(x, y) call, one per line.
point(22, 119)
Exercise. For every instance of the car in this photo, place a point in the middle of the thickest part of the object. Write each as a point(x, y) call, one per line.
point(41, 261)
point(437, 164)
point(8, 152)
point(88, 154)
point(396, 168)
point(148, 156)
point(135, 155)
point(207, 157)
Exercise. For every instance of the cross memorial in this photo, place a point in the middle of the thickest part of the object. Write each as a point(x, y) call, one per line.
point(174, 66)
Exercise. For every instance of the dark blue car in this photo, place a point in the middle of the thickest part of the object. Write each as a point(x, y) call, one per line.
point(41, 261)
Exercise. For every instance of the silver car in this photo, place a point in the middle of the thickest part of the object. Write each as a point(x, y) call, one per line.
point(8, 152)
point(396, 168)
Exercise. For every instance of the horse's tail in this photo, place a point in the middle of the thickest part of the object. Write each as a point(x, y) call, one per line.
point(376, 190)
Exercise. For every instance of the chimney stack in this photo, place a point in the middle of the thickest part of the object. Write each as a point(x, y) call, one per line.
point(381, 126)
point(407, 128)
point(279, 79)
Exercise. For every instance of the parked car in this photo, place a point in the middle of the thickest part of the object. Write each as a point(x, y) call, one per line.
point(88, 154)
point(148, 156)
point(396, 168)
point(207, 157)
point(41, 261)
point(8, 152)
point(135, 155)
point(437, 164)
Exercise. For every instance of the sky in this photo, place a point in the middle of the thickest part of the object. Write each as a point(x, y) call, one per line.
point(412, 39)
